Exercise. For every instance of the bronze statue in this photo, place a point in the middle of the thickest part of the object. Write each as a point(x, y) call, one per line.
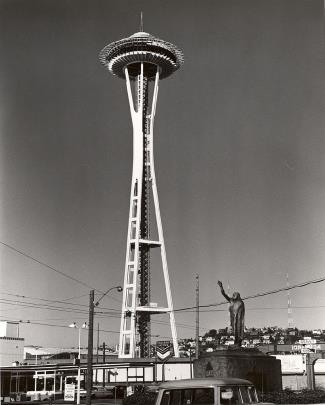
point(237, 314)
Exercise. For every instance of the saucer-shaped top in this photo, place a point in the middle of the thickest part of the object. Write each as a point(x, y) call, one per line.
point(141, 47)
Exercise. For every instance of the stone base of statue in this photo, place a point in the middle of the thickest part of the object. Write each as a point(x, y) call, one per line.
point(262, 370)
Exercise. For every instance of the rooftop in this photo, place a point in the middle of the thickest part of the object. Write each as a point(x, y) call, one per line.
point(204, 382)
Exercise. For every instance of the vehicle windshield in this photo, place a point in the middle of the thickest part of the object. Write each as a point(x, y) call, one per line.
point(233, 395)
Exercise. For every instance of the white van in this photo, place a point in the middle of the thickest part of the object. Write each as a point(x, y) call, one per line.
point(207, 391)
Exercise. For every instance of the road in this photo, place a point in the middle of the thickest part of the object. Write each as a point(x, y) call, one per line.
point(103, 401)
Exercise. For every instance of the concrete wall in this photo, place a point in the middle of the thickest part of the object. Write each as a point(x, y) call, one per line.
point(9, 329)
point(11, 350)
point(263, 370)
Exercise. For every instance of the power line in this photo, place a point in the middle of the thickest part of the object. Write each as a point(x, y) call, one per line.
point(99, 313)
point(76, 297)
point(112, 298)
point(48, 266)
point(260, 308)
point(287, 288)
point(31, 322)
point(65, 310)
point(57, 271)
point(45, 306)
point(38, 306)
point(61, 326)
point(49, 307)
point(116, 316)
point(113, 314)
point(75, 318)
point(104, 315)
point(262, 294)
point(44, 299)
point(53, 301)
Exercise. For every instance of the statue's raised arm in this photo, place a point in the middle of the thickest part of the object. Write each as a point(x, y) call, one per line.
point(223, 291)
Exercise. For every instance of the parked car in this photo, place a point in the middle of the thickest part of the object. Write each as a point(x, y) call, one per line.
point(103, 392)
point(207, 391)
point(83, 393)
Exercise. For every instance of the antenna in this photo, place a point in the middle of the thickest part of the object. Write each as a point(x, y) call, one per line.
point(141, 21)
point(197, 320)
point(290, 315)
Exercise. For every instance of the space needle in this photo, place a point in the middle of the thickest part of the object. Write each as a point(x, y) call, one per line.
point(142, 60)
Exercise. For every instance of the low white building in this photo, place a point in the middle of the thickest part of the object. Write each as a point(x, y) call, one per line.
point(11, 345)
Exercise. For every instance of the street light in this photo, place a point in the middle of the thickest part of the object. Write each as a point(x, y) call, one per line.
point(36, 348)
point(83, 326)
point(118, 288)
point(92, 306)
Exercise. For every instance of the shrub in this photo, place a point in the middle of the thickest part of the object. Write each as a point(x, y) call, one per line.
point(288, 396)
point(141, 396)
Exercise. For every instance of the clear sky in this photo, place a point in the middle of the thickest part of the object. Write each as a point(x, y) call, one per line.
point(239, 151)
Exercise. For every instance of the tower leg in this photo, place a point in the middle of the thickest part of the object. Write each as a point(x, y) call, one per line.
point(127, 342)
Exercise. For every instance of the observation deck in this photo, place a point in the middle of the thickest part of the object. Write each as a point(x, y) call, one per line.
point(141, 47)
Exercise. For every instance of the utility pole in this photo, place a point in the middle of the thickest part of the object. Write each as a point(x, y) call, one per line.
point(197, 323)
point(92, 306)
point(104, 360)
point(97, 348)
point(90, 347)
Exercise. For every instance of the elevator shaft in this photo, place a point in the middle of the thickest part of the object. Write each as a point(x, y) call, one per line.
point(143, 319)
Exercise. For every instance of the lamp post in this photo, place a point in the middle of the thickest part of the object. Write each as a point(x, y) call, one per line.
point(118, 288)
point(83, 326)
point(36, 351)
point(92, 306)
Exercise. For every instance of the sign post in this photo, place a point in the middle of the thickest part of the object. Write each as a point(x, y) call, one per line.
point(164, 352)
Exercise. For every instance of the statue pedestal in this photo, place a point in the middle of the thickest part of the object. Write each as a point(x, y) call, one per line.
point(262, 370)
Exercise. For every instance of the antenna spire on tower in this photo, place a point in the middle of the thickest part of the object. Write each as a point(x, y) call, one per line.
point(141, 21)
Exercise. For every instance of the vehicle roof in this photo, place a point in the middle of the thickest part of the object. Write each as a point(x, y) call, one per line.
point(204, 382)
